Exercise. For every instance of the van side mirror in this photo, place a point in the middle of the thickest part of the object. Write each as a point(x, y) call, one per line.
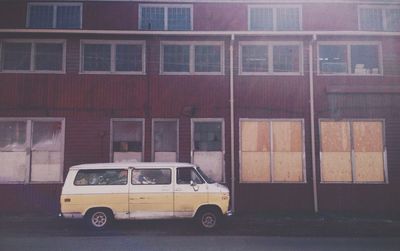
point(192, 183)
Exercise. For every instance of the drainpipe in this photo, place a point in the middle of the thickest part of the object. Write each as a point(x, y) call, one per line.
point(312, 118)
point(231, 99)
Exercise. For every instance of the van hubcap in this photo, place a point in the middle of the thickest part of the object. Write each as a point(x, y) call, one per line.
point(99, 219)
point(208, 220)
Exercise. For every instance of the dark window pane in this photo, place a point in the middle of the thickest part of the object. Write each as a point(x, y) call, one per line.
point(393, 19)
point(333, 59)
point(16, 56)
point(49, 57)
point(41, 16)
point(47, 136)
point(207, 136)
point(179, 19)
point(128, 57)
point(286, 58)
point(207, 58)
point(365, 59)
point(68, 17)
point(261, 19)
point(97, 57)
point(176, 58)
point(186, 174)
point(287, 19)
point(152, 18)
point(371, 19)
point(255, 58)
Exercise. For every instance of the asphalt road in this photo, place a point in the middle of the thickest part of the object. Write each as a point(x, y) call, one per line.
point(194, 243)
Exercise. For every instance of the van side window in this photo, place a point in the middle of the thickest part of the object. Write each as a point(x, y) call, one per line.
point(101, 177)
point(186, 174)
point(151, 176)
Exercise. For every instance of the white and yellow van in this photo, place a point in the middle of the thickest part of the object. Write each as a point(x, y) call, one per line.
point(100, 193)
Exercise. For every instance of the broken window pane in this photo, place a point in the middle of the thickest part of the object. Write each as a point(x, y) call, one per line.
point(12, 136)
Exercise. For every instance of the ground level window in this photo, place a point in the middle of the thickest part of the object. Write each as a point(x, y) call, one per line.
point(127, 140)
point(271, 151)
point(31, 150)
point(352, 151)
point(165, 140)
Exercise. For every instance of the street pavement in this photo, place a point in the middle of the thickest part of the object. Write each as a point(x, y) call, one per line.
point(241, 232)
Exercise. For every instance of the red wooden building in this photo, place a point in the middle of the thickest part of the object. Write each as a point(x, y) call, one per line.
point(230, 85)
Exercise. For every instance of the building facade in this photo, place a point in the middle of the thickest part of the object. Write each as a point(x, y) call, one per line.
point(293, 104)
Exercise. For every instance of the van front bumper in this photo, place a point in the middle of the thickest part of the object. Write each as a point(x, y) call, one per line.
point(229, 213)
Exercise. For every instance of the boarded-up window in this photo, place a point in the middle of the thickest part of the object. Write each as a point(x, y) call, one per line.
point(272, 151)
point(127, 140)
point(352, 151)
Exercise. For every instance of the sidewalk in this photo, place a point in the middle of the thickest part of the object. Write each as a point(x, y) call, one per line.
point(242, 224)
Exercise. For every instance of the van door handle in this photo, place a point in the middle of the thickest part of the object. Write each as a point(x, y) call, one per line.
point(178, 189)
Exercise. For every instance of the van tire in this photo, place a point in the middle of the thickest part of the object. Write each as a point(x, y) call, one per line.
point(99, 218)
point(208, 218)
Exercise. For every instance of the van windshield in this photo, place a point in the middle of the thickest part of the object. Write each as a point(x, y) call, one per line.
point(208, 179)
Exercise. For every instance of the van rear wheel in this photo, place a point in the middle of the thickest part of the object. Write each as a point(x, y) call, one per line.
point(99, 218)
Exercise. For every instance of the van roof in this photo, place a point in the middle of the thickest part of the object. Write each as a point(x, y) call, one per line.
point(130, 164)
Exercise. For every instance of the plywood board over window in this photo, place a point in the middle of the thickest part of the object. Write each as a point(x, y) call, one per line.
point(336, 152)
point(352, 151)
point(271, 150)
point(255, 157)
point(368, 151)
point(287, 151)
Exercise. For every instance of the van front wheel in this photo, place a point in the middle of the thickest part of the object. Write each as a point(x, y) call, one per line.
point(98, 218)
point(208, 219)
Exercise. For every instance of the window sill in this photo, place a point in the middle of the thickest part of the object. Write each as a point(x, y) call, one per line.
point(363, 88)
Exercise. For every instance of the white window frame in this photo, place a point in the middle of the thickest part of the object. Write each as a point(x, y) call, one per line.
point(348, 45)
point(192, 150)
point(165, 7)
point(113, 44)
point(350, 121)
point(274, 14)
point(192, 44)
point(54, 5)
point(271, 161)
point(381, 7)
point(153, 121)
point(28, 167)
point(142, 120)
point(33, 43)
point(270, 59)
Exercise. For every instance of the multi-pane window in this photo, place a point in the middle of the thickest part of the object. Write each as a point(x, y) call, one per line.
point(33, 56)
point(271, 150)
point(352, 151)
point(279, 18)
point(191, 57)
point(165, 17)
point(349, 58)
point(54, 15)
point(282, 58)
point(379, 18)
point(112, 57)
point(127, 140)
point(31, 150)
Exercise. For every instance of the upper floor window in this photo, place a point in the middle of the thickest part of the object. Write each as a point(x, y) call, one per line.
point(192, 57)
point(33, 56)
point(379, 18)
point(165, 17)
point(263, 58)
point(54, 15)
point(271, 17)
point(113, 57)
point(350, 58)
